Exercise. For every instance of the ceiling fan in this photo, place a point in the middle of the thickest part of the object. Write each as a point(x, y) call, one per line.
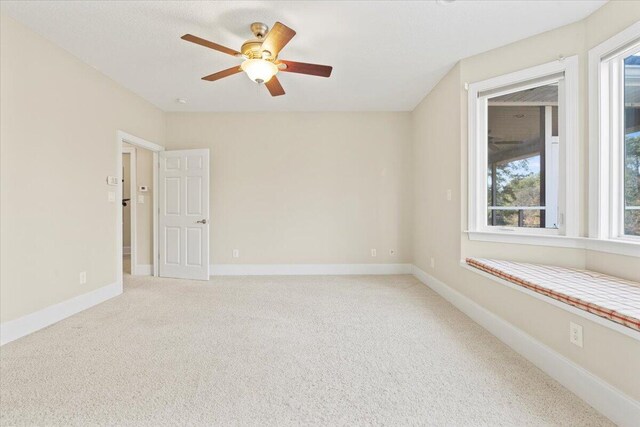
point(261, 62)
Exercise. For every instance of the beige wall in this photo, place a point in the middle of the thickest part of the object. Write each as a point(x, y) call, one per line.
point(436, 168)
point(59, 119)
point(440, 163)
point(304, 187)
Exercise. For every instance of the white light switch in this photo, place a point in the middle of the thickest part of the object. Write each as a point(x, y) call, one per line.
point(140, 198)
point(236, 253)
point(374, 252)
point(112, 196)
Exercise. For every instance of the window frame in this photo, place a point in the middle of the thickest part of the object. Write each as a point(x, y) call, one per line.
point(606, 143)
point(568, 202)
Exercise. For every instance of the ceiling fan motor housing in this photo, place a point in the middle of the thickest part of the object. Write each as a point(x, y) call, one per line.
point(259, 29)
point(252, 49)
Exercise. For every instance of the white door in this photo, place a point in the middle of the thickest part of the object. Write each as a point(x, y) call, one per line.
point(183, 223)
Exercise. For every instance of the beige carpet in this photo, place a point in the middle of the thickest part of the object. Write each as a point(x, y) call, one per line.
point(360, 350)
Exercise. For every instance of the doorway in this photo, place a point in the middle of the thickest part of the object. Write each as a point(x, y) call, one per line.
point(137, 210)
point(138, 168)
point(183, 181)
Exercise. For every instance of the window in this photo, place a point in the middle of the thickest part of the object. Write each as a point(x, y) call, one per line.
point(522, 156)
point(615, 138)
point(522, 153)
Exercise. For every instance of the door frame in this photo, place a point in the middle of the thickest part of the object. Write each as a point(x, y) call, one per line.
point(131, 151)
point(121, 137)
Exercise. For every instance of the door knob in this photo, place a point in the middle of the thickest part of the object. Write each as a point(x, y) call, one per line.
point(202, 221)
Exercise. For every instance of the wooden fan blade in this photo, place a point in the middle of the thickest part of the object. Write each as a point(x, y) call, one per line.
point(222, 74)
point(302, 68)
point(277, 38)
point(211, 45)
point(274, 86)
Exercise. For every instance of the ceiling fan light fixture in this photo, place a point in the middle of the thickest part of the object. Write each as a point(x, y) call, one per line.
point(259, 70)
point(260, 56)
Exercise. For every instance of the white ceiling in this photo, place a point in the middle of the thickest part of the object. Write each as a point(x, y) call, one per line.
point(386, 55)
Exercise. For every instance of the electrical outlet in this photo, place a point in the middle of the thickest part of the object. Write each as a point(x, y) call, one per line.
point(392, 252)
point(83, 277)
point(111, 196)
point(236, 253)
point(140, 198)
point(433, 263)
point(575, 334)
point(374, 252)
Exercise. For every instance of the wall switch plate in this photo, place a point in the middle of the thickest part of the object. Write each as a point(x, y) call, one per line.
point(575, 334)
point(374, 252)
point(433, 263)
point(143, 188)
point(448, 194)
point(111, 196)
point(236, 253)
point(83, 277)
point(113, 180)
point(140, 198)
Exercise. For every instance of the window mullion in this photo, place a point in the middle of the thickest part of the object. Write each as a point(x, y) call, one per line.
point(616, 134)
point(483, 160)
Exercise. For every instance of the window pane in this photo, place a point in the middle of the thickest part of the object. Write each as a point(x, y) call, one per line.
point(632, 145)
point(522, 187)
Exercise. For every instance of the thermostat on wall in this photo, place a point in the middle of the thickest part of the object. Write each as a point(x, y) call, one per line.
point(112, 180)
point(144, 188)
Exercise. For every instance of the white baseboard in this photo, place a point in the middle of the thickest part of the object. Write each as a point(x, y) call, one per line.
point(25, 325)
point(608, 400)
point(306, 269)
point(143, 270)
point(126, 250)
